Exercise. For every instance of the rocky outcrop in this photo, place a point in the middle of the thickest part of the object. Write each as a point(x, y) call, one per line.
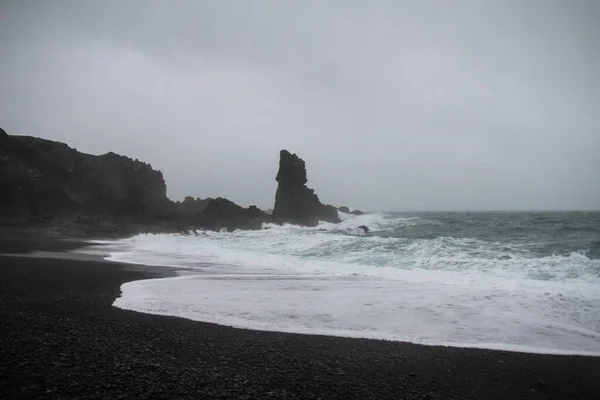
point(192, 207)
point(346, 210)
point(41, 177)
point(221, 213)
point(294, 202)
point(49, 184)
point(4, 138)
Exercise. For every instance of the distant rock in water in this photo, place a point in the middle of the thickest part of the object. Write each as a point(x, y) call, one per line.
point(364, 228)
point(294, 202)
point(346, 210)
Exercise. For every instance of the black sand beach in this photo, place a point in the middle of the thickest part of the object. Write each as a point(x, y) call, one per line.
point(60, 338)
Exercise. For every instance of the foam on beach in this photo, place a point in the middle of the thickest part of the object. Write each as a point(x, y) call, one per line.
point(332, 280)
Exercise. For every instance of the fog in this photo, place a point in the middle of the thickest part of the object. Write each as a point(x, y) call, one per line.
point(394, 105)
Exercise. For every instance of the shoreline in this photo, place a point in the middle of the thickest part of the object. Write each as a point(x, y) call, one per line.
point(61, 337)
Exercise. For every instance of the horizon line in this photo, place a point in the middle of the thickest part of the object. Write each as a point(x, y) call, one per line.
point(494, 210)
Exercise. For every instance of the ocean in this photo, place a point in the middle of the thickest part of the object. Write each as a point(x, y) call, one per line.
point(523, 281)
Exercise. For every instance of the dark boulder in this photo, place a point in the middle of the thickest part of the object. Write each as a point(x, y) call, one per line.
point(294, 202)
point(364, 228)
point(346, 210)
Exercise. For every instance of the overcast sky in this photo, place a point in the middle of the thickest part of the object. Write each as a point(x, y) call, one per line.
point(394, 105)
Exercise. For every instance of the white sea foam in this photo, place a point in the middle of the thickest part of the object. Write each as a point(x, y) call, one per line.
point(334, 280)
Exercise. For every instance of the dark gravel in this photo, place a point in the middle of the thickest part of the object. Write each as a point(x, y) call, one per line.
point(18, 241)
point(60, 338)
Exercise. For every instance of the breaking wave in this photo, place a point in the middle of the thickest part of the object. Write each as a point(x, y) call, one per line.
point(481, 281)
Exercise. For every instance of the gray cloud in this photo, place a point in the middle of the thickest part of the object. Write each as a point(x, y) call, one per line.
point(422, 105)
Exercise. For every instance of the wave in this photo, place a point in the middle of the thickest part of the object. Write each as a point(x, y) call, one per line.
point(333, 279)
point(344, 249)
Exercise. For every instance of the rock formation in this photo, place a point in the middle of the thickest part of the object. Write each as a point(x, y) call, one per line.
point(42, 179)
point(221, 213)
point(346, 210)
point(294, 202)
point(48, 183)
point(192, 207)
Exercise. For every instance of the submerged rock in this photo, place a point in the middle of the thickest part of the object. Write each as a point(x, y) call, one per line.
point(364, 228)
point(294, 202)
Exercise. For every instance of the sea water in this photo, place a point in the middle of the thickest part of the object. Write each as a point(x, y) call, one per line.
point(514, 281)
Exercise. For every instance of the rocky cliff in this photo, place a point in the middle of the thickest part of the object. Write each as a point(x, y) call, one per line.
point(40, 177)
point(294, 202)
point(48, 183)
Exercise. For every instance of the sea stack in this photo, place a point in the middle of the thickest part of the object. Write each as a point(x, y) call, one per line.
point(294, 202)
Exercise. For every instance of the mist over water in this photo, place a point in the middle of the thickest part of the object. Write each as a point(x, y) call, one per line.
point(516, 281)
